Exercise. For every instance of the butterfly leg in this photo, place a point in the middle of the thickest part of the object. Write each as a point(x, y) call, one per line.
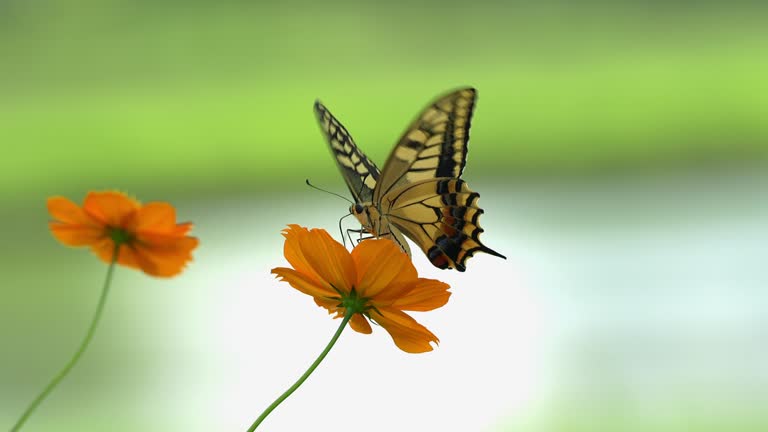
point(364, 238)
point(373, 237)
point(357, 231)
point(361, 232)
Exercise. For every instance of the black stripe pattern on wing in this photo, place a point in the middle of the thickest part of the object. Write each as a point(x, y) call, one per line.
point(456, 135)
point(442, 216)
point(434, 145)
point(460, 238)
point(359, 172)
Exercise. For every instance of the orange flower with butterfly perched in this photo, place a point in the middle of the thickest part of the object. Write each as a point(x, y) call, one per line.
point(148, 236)
point(375, 282)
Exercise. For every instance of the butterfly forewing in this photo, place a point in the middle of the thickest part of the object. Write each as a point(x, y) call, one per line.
point(434, 145)
point(359, 172)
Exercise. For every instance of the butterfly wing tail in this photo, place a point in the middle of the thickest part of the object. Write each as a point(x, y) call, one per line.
point(442, 216)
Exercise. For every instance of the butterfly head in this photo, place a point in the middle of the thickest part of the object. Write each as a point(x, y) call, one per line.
point(361, 214)
point(357, 209)
point(367, 215)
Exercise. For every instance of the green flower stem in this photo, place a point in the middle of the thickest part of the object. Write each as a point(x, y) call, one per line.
point(304, 377)
point(91, 330)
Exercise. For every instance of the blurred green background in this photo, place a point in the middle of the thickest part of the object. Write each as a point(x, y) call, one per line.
point(620, 149)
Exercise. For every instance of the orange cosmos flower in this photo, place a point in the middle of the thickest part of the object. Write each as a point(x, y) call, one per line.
point(148, 236)
point(376, 281)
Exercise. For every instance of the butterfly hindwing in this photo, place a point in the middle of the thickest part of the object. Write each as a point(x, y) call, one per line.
point(441, 216)
point(398, 238)
point(359, 172)
point(434, 145)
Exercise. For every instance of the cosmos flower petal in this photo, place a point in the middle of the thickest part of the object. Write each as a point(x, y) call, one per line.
point(67, 212)
point(105, 250)
point(423, 295)
point(113, 209)
point(76, 235)
point(408, 335)
point(316, 254)
point(306, 285)
point(380, 264)
point(360, 324)
point(157, 217)
point(164, 260)
point(294, 235)
point(165, 242)
point(330, 304)
point(72, 226)
point(330, 260)
point(182, 228)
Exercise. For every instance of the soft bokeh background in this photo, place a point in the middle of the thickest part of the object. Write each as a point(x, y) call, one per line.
point(619, 148)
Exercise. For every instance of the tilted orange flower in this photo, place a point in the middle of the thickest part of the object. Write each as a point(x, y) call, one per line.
point(376, 281)
point(148, 235)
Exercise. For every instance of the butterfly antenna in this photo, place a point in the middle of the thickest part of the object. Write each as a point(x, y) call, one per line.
point(329, 192)
point(341, 231)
